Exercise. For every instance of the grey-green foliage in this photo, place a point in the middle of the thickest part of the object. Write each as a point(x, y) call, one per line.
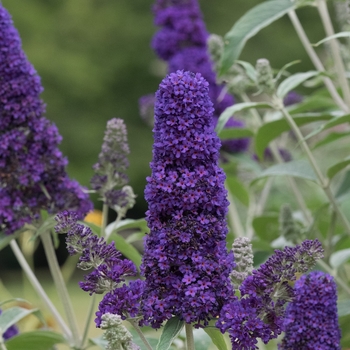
point(289, 228)
point(236, 79)
point(265, 79)
point(243, 253)
point(117, 336)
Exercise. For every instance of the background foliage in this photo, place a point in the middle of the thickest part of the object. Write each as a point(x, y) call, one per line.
point(95, 61)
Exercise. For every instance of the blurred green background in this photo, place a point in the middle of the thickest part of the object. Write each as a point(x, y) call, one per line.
point(95, 61)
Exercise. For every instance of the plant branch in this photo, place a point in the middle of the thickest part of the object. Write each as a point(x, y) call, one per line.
point(38, 288)
point(189, 337)
point(139, 332)
point(322, 180)
point(88, 321)
point(60, 285)
point(104, 219)
point(235, 221)
point(279, 159)
point(338, 61)
point(316, 61)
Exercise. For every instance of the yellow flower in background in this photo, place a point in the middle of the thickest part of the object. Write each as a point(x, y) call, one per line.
point(94, 217)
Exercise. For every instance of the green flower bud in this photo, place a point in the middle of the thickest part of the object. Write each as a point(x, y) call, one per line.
point(117, 336)
point(265, 79)
point(243, 253)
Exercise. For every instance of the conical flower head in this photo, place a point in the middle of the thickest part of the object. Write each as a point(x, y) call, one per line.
point(186, 263)
point(32, 169)
point(311, 319)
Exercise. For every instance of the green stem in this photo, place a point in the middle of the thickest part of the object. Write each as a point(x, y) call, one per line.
point(316, 61)
point(329, 270)
point(139, 332)
point(104, 219)
point(60, 285)
point(235, 221)
point(328, 248)
point(189, 337)
point(323, 182)
point(338, 61)
point(2, 344)
point(38, 288)
point(279, 159)
point(88, 321)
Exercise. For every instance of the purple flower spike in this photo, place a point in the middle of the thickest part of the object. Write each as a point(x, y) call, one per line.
point(261, 310)
point(182, 42)
point(312, 320)
point(186, 263)
point(32, 169)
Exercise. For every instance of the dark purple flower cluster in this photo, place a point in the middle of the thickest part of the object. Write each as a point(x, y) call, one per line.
point(182, 42)
point(124, 301)
point(186, 263)
point(264, 294)
point(311, 319)
point(109, 267)
point(32, 169)
point(292, 98)
point(10, 332)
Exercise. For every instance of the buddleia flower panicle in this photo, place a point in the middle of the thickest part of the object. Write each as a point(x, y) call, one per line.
point(182, 42)
point(186, 264)
point(32, 169)
point(109, 268)
point(243, 253)
point(311, 318)
point(116, 334)
point(260, 311)
point(110, 177)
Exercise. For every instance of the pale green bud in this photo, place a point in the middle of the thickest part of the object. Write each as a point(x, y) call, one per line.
point(116, 334)
point(216, 47)
point(265, 79)
point(243, 253)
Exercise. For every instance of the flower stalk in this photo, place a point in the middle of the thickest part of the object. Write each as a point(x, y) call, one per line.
point(324, 183)
point(316, 61)
point(60, 285)
point(38, 288)
point(338, 61)
point(189, 337)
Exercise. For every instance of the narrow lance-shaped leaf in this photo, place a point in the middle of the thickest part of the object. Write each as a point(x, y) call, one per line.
point(217, 337)
point(293, 81)
point(238, 189)
point(337, 120)
point(336, 168)
point(11, 316)
point(38, 340)
point(339, 258)
point(127, 249)
point(334, 136)
point(248, 25)
point(334, 36)
point(235, 133)
point(297, 168)
point(230, 111)
point(269, 131)
point(171, 330)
